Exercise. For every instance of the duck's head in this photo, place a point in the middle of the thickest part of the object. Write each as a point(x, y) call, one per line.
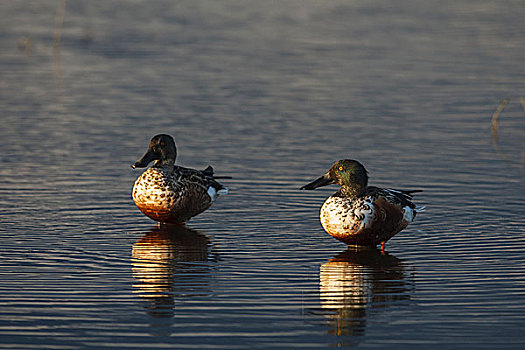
point(161, 149)
point(347, 173)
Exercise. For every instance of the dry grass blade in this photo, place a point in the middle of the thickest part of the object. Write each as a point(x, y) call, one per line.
point(495, 122)
point(59, 20)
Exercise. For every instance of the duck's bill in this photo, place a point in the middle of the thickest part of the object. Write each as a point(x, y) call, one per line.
point(322, 181)
point(147, 158)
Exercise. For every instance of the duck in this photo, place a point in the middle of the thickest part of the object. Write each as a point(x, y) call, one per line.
point(169, 193)
point(362, 215)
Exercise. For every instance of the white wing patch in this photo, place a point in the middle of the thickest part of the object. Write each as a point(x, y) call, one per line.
point(408, 214)
point(213, 193)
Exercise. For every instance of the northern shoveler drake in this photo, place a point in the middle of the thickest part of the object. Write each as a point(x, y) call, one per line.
point(169, 193)
point(359, 214)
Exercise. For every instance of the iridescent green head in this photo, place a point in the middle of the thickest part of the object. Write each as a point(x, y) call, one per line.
point(347, 173)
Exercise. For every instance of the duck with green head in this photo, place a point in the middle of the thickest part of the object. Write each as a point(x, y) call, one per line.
point(170, 193)
point(359, 214)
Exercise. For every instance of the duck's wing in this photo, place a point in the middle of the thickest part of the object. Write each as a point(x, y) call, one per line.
point(406, 198)
point(200, 178)
point(397, 199)
point(402, 198)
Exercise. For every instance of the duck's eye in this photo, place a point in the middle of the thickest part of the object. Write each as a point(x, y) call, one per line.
point(340, 168)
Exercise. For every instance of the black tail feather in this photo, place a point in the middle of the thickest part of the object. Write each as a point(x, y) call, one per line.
point(209, 172)
point(411, 191)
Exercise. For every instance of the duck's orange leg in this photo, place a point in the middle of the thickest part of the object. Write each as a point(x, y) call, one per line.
point(383, 246)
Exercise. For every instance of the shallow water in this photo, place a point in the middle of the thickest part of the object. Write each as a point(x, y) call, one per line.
point(270, 93)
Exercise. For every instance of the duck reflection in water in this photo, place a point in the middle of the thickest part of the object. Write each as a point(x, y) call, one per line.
point(170, 262)
point(357, 280)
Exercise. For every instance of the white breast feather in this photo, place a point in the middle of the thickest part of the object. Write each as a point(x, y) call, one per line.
point(365, 211)
point(344, 215)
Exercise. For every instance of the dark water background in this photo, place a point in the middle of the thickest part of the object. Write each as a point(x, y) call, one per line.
point(271, 93)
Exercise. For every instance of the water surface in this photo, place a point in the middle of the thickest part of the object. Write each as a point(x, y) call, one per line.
point(270, 93)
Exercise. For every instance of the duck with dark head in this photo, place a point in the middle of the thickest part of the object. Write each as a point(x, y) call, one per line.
point(358, 214)
point(169, 193)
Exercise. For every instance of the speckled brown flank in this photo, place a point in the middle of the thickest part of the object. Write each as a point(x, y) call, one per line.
point(172, 196)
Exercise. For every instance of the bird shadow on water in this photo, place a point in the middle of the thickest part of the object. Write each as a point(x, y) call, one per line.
point(169, 264)
point(356, 284)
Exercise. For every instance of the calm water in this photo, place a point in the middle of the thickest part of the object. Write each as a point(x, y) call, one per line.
point(270, 93)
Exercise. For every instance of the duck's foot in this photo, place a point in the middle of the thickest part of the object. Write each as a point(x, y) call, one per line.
point(162, 224)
